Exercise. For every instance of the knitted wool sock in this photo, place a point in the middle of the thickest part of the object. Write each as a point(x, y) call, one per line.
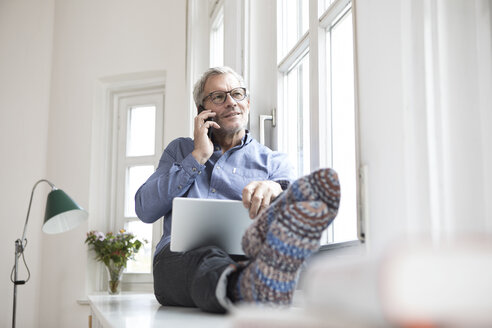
point(272, 276)
point(320, 185)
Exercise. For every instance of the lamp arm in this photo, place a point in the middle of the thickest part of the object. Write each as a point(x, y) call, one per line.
point(19, 251)
point(30, 203)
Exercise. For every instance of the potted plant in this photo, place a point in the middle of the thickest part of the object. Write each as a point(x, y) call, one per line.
point(114, 250)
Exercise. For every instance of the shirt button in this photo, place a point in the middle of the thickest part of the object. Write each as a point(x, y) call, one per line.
point(179, 187)
point(193, 169)
point(199, 172)
point(213, 190)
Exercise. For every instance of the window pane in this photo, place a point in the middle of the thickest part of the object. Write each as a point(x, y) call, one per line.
point(142, 261)
point(217, 41)
point(323, 5)
point(136, 176)
point(297, 110)
point(343, 126)
point(141, 131)
point(294, 23)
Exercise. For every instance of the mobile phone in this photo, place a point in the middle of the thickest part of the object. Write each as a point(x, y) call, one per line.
point(201, 109)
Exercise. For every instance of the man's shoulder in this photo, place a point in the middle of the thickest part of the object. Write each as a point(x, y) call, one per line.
point(256, 144)
point(182, 140)
point(261, 148)
point(180, 143)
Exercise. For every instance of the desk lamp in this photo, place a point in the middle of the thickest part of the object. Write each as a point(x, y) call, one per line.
point(61, 214)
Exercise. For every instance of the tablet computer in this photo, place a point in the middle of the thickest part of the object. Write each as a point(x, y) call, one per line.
point(201, 222)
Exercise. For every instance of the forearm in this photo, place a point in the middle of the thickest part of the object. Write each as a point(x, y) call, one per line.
point(171, 179)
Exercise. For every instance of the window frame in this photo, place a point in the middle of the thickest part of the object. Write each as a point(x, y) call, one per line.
point(314, 42)
point(217, 24)
point(124, 101)
point(103, 167)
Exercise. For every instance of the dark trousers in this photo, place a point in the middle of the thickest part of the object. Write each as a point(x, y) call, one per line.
point(190, 278)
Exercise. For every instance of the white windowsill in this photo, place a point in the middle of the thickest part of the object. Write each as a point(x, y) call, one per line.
point(142, 310)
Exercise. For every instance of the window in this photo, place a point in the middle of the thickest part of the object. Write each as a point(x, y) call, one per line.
point(217, 36)
point(341, 131)
point(297, 128)
point(316, 97)
point(294, 23)
point(139, 146)
point(127, 140)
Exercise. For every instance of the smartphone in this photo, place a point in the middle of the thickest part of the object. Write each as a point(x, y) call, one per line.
point(201, 109)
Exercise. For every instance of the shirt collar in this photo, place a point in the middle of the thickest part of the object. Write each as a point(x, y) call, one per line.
point(246, 140)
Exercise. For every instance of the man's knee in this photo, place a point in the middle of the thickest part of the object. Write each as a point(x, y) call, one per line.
point(205, 282)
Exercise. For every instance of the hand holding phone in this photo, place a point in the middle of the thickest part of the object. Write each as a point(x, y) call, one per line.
point(209, 133)
point(203, 146)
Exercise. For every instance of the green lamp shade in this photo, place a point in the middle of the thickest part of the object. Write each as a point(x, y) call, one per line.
point(62, 213)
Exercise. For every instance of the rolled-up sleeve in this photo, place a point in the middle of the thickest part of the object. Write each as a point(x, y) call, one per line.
point(280, 169)
point(173, 178)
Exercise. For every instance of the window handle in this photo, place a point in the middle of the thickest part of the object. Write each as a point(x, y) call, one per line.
point(264, 118)
point(363, 203)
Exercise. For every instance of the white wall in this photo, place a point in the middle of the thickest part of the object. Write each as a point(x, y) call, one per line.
point(381, 115)
point(25, 66)
point(46, 128)
point(94, 40)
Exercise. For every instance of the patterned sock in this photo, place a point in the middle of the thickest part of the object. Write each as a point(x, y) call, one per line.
point(320, 185)
point(272, 276)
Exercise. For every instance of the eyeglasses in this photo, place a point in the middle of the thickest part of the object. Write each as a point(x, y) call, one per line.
point(219, 97)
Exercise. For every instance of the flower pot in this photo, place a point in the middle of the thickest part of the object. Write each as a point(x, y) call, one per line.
point(115, 272)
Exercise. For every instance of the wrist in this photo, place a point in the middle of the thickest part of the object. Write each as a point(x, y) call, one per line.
point(199, 157)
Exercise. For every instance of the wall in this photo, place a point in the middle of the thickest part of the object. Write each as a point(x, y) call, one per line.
point(381, 116)
point(51, 126)
point(26, 29)
point(52, 56)
point(95, 40)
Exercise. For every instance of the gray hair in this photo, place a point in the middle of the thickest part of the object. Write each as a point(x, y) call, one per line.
point(200, 84)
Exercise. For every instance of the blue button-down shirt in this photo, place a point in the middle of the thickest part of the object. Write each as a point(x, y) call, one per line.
point(223, 176)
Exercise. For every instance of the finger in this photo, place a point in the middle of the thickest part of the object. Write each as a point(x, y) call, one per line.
point(247, 196)
point(205, 115)
point(203, 112)
point(201, 117)
point(260, 199)
point(256, 201)
point(212, 124)
point(247, 193)
point(268, 197)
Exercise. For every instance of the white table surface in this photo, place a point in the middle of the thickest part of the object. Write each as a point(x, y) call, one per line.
point(143, 310)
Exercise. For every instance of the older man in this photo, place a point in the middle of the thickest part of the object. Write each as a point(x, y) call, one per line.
point(232, 165)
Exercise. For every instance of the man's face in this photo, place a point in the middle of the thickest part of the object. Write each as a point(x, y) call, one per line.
point(232, 115)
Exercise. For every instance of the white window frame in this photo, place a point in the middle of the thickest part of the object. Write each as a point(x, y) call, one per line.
point(314, 42)
point(217, 35)
point(245, 22)
point(201, 15)
point(124, 101)
point(104, 168)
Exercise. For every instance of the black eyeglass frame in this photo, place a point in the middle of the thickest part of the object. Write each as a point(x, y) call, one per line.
point(225, 98)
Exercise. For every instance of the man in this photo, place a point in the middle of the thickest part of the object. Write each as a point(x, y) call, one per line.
point(232, 165)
